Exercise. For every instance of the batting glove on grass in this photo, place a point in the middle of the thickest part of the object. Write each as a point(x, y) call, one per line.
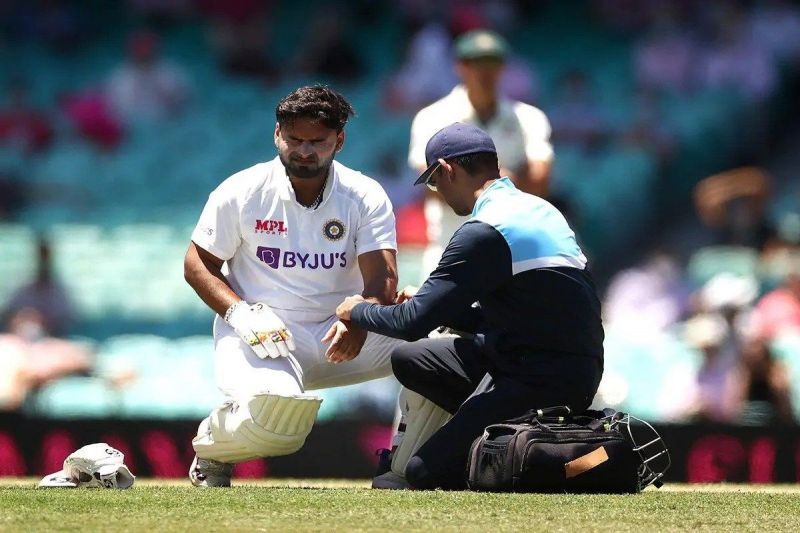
point(261, 329)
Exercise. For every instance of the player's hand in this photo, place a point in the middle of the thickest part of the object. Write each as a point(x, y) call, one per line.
point(261, 329)
point(346, 307)
point(344, 341)
point(407, 293)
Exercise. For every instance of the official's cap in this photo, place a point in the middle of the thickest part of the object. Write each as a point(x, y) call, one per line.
point(477, 44)
point(452, 141)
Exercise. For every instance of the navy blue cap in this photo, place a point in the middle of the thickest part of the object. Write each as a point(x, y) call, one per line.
point(452, 141)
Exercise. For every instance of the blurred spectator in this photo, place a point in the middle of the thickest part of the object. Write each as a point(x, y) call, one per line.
point(393, 175)
point(57, 24)
point(575, 115)
point(710, 395)
point(466, 16)
point(160, 11)
point(731, 296)
point(719, 331)
point(780, 258)
point(31, 358)
point(239, 36)
point(778, 311)
point(327, 51)
point(775, 24)
point(663, 59)
point(13, 194)
point(519, 80)
point(145, 87)
point(762, 390)
point(649, 130)
point(626, 15)
point(733, 204)
point(45, 297)
point(646, 298)
point(22, 126)
point(735, 61)
point(90, 114)
point(427, 73)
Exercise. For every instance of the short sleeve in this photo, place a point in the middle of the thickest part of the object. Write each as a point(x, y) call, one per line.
point(419, 139)
point(376, 230)
point(536, 128)
point(218, 230)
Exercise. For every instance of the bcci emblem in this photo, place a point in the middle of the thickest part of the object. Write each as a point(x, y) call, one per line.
point(333, 230)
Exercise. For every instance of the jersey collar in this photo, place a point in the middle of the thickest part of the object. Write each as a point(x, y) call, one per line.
point(287, 192)
point(462, 104)
point(483, 197)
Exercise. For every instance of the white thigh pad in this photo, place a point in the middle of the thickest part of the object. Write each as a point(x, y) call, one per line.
point(263, 425)
point(419, 419)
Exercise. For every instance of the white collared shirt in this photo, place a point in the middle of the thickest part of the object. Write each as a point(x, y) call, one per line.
point(290, 256)
point(520, 131)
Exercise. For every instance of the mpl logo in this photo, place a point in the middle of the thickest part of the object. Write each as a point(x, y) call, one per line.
point(271, 227)
point(276, 258)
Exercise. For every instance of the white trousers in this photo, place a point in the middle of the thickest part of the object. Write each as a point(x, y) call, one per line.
point(239, 372)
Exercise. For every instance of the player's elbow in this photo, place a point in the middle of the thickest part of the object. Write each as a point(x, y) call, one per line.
point(191, 268)
point(189, 273)
point(417, 330)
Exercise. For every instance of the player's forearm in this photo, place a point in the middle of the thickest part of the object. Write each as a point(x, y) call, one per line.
point(402, 321)
point(379, 273)
point(381, 290)
point(208, 282)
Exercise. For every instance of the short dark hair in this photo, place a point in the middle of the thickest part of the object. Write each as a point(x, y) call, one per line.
point(479, 163)
point(315, 102)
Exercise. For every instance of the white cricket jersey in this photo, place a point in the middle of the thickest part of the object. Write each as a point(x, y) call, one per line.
point(520, 133)
point(289, 256)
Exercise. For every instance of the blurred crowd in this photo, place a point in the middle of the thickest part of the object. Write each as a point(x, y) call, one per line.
point(35, 345)
point(730, 300)
point(733, 301)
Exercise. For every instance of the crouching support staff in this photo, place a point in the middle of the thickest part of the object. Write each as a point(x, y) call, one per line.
point(514, 277)
point(277, 247)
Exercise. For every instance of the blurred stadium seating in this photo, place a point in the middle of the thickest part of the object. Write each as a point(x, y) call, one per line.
point(119, 221)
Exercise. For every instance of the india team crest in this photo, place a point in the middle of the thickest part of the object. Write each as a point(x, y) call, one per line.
point(334, 229)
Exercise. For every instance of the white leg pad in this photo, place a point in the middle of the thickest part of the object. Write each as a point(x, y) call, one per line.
point(421, 418)
point(264, 425)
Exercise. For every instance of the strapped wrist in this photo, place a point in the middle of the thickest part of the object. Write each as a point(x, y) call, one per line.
point(232, 309)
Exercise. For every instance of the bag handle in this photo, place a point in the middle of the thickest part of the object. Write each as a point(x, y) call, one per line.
point(555, 411)
point(594, 420)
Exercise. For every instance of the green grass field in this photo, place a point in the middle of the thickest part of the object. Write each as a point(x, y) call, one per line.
point(341, 505)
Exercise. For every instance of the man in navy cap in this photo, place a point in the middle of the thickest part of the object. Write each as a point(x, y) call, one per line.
point(514, 276)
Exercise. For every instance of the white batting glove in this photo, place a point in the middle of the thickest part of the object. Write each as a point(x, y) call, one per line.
point(261, 329)
point(93, 466)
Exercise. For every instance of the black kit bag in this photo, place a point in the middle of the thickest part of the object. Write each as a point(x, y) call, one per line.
point(551, 450)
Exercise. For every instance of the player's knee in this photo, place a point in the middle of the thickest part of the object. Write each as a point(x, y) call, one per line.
point(264, 425)
point(418, 475)
point(405, 363)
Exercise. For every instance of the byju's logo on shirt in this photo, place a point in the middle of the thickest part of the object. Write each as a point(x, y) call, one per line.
point(272, 227)
point(276, 258)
